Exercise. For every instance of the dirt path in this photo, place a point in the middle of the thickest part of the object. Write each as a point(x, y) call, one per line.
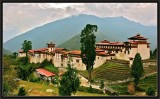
point(84, 82)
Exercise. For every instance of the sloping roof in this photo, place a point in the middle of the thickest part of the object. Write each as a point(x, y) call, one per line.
point(45, 72)
point(20, 51)
point(99, 50)
point(31, 51)
point(41, 49)
point(138, 37)
point(75, 52)
point(105, 41)
point(59, 49)
point(133, 42)
point(101, 53)
point(111, 43)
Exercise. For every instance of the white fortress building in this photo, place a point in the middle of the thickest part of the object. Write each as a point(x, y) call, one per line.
point(105, 50)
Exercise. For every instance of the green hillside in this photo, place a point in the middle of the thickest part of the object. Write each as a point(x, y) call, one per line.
point(74, 42)
point(6, 52)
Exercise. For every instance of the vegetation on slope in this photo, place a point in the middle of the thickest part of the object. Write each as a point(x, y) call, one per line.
point(110, 71)
point(39, 89)
point(113, 71)
point(143, 84)
point(74, 42)
point(149, 80)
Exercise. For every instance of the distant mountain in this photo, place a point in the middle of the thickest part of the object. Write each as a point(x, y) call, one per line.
point(6, 52)
point(115, 29)
point(74, 42)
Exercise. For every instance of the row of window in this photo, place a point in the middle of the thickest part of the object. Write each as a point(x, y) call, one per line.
point(116, 47)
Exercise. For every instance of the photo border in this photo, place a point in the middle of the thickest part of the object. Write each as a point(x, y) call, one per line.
point(84, 1)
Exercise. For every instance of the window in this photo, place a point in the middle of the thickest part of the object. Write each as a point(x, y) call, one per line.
point(77, 60)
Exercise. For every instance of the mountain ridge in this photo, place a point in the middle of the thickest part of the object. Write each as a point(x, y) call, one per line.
point(60, 31)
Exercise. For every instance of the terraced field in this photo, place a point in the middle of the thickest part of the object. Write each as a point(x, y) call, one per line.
point(110, 71)
point(113, 71)
point(150, 69)
point(150, 80)
point(120, 88)
point(144, 84)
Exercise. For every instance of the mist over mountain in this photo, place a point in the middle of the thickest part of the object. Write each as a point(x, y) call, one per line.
point(65, 30)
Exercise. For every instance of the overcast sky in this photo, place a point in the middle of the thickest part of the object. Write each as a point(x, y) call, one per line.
point(21, 17)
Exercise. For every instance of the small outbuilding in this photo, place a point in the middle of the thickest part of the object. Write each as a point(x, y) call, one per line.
point(45, 74)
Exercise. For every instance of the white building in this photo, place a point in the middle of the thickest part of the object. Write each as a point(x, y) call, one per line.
point(105, 50)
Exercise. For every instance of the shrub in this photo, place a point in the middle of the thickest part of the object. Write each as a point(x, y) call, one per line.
point(131, 88)
point(21, 92)
point(55, 80)
point(101, 84)
point(32, 78)
point(83, 89)
point(150, 91)
point(89, 90)
point(23, 60)
point(139, 88)
point(45, 63)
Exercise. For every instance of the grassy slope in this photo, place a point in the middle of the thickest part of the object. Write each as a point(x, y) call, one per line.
point(39, 89)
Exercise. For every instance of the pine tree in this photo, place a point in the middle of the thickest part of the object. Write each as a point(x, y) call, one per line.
point(137, 68)
point(88, 53)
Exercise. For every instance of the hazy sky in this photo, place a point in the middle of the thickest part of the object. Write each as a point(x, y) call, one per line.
point(21, 17)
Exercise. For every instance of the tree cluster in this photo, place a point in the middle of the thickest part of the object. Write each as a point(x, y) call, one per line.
point(69, 82)
point(26, 45)
point(9, 76)
point(153, 55)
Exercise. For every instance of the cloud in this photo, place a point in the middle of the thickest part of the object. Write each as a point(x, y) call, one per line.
point(21, 17)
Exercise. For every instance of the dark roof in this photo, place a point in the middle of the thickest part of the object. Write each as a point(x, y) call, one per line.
point(138, 37)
